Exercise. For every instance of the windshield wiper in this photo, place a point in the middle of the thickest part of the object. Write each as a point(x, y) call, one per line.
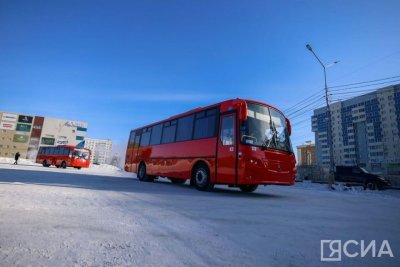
point(273, 137)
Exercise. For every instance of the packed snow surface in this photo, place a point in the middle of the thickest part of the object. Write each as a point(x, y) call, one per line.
point(102, 216)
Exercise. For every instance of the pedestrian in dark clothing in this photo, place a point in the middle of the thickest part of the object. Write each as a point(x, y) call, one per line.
point(17, 155)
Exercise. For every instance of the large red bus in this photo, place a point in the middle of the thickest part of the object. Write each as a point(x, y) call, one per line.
point(240, 143)
point(63, 156)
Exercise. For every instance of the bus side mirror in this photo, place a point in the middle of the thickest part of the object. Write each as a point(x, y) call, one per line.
point(243, 111)
point(289, 126)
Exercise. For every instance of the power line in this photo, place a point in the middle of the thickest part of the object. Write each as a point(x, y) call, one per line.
point(366, 85)
point(376, 80)
point(354, 92)
point(303, 107)
point(308, 110)
point(304, 101)
point(301, 122)
point(300, 104)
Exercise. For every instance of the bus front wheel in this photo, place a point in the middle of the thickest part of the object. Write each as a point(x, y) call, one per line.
point(248, 188)
point(201, 178)
point(63, 165)
point(142, 174)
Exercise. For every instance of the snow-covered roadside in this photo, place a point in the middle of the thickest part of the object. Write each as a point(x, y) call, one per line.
point(102, 169)
point(347, 190)
point(20, 161)
point(61, 218)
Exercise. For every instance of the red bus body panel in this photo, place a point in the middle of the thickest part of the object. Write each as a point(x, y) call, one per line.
point(254, 165)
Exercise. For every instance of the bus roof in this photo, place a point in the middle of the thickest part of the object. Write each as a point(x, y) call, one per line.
point(205, 108)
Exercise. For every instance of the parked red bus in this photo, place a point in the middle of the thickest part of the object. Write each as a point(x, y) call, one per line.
point(240, 143)
point(64, 156)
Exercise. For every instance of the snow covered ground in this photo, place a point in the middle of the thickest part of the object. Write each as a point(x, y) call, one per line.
point(93, 169)
point(102, 216)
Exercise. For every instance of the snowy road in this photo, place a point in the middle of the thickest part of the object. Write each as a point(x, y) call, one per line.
point(54, 217)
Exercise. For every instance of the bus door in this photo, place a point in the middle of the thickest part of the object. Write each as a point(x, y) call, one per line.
point(135, 149)
point(227, 154)
point(131, 153)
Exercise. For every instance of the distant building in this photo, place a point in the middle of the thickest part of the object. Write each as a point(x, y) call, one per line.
point(365, 130)
point(101, 150)
point(306, 154)
point(25, 133)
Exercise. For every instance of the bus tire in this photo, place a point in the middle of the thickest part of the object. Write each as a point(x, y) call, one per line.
point(142, 174)
point(201, 177)
point(44, 163)
point(63, 165)
point(177, 181)
point(248, 188)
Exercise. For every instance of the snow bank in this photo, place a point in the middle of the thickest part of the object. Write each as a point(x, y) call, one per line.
point(105, 167)
point(26, 164)
point(20, 161)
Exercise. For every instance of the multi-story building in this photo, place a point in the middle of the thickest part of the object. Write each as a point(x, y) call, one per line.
point(25, 133)
point(306, 154)
point(101, 150)
point(365, 130)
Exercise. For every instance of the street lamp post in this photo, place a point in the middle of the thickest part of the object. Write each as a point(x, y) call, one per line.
point(328, 111)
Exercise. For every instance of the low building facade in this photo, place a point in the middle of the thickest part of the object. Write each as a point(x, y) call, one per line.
point(26, 133)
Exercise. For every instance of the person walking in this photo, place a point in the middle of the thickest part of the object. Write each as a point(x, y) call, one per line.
point(17, 155)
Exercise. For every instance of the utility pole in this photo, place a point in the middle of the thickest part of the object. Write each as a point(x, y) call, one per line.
point(328, 114)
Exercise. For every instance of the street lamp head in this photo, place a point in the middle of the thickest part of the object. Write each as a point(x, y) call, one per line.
point(309, 47)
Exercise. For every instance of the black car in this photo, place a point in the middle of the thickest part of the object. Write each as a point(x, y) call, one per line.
point(360, 176)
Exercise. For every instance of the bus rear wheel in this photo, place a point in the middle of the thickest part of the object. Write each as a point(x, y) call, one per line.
point(248, 188)
point(63, 165)
point(142, 174)
point(44, 163)
point(177, 181)
point(201, 178)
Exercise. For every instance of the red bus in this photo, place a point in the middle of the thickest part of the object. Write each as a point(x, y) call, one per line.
point(63, 156)
point(240, 143)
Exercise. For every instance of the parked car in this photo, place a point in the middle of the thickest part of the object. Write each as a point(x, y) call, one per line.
point(360, 176)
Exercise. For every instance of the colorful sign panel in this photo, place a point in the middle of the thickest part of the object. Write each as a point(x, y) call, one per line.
point(75, 124)
point(9, 117)
point(20, 138)
point(62, 140)
point(23, 127)
point(25, 119)
point(48, 141)
point(5, 125)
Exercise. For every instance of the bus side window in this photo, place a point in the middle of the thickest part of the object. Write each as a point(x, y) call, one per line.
point(131, 139)
point(144, 141)
point(137, 139)
point(227, 131)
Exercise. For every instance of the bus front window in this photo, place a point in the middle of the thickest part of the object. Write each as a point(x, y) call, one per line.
point(81, 154)
point(265, 127)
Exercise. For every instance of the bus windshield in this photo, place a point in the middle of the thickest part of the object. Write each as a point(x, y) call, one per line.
point(81, 153)
point(265, 127)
